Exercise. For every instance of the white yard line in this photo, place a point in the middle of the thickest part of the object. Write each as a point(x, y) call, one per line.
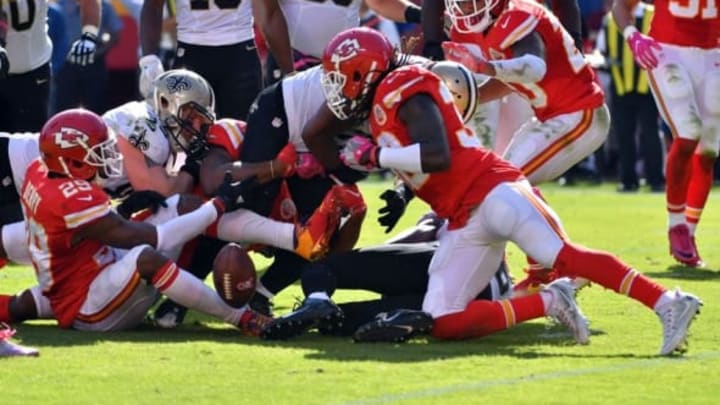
point(535, 377)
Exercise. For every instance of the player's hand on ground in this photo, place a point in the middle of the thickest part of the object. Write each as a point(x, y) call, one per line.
point(82, 51)
point(390, 214)
point(644, 50)
point(141, 200)
point(360, 153)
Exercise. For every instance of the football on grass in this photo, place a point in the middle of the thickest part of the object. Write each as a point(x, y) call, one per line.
point(234, 275)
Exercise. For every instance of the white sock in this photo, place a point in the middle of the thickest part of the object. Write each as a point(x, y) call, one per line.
point(245, 226)
point(666, 297)
point(675, 219)
point(320, 295)
point(189, 291)
point(692, 227)
point(547, 298)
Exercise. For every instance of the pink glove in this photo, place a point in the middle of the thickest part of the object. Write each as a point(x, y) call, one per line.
point(360, 153)
point(642, 47)
point(457, 52)
point(308, 166)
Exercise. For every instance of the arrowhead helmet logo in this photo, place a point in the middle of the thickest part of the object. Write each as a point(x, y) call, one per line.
point(70, 138)
point(346, 50)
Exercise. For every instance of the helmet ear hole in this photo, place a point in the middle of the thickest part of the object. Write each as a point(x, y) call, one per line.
point(357, 76)
point(164, 103)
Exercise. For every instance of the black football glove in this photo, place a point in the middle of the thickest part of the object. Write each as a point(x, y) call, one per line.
point(232, 194)
point(395, 202)
point(4, 63)
point(192, 167)
point(141, 200)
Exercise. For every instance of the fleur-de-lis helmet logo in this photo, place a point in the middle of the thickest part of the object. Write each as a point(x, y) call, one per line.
point(177, 83)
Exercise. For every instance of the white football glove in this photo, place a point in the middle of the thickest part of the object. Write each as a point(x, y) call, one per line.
point(82, 51)
point(150, 68)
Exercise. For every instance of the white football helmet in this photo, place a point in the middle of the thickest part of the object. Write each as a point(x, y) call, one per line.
point(185, 105)
point(470, 16)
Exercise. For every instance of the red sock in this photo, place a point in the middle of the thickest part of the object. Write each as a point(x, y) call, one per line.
point(5, 308)
point(678, 173)
point(700, 183)
point(165, 276)
point(482, 317)
point(608, 271)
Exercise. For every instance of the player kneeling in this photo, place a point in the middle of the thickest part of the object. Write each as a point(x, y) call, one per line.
point(87, 278)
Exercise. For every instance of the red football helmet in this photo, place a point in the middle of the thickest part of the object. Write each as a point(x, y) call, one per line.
point(76, 143)
point(470, 16)
point(354, 62)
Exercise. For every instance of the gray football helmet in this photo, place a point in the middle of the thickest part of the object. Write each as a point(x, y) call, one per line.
point(462, 85)
point(185, 105)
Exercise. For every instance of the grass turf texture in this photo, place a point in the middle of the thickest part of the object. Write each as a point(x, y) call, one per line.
point(207, 362)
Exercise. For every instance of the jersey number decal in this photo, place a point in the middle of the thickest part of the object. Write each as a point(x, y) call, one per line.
point(15, 18)
point(205, 4)
point(692, 9)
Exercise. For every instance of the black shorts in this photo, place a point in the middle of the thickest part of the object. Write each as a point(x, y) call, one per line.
point(233, 71)
point(10, 208)
point(24, 100)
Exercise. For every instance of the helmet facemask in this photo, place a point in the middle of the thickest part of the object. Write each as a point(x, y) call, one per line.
point(471, 16)
point(188, 128)
point(350, 101)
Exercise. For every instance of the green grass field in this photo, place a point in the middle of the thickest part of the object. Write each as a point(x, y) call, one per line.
point(207, 362)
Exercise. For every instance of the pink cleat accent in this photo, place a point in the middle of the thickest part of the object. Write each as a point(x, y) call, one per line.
point(10, 349)
point(681, 246)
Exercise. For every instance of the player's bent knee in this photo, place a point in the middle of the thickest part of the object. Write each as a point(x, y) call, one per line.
point(149, 261)
point(22, 307)
point(187, 203)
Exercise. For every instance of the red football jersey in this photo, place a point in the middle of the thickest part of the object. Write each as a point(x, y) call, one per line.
point(687, 23)
point(473, 171)
point(228, 134)
point(569, 83)
point(55, 208)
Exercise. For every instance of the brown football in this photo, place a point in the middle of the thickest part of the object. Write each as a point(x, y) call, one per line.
point(234, 275)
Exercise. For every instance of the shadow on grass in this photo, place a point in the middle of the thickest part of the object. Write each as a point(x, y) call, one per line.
point(680, 272)
point(526, 341)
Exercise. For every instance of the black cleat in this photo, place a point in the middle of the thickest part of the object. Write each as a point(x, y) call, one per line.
point(395, 326)
point(308, 315)
point(169, 314)
point(261, 304)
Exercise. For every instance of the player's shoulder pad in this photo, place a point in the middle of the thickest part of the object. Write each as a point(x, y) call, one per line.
point(512, 26)
point(123, 119)
point(402, 83)
point(227, 133)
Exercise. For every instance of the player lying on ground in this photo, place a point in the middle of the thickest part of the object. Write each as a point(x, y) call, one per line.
point(419, 134)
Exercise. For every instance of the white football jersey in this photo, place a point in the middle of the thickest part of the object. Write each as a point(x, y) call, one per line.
point(22, 150)
point(214, 22)
point(313, 23)
point(137, 122)
point(302, 96)
point(28, 44)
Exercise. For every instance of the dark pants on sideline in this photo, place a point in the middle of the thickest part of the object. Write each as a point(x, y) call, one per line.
point(24, 100)
point(637, 114)
point(10, 207)
point(233, 71)
point(82, 86)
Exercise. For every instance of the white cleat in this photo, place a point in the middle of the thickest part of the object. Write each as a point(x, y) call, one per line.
point(10, 349)
point(566, 311)
point(676, 316)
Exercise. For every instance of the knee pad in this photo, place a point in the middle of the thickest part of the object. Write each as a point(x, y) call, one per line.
point(42, 304)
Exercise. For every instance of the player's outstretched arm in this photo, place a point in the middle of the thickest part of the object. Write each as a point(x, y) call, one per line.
point(146, 175)
point(318, 136)
point(218, 161)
